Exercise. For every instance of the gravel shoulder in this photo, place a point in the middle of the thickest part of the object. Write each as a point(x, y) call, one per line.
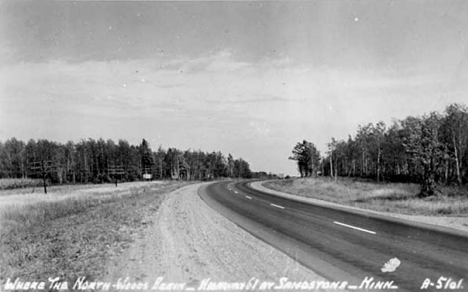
point(458, 223)
point(189, 242)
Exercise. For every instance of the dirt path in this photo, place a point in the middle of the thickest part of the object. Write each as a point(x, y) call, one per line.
point(190, 242)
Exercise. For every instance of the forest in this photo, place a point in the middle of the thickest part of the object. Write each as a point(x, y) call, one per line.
point(429, 150)
point(99, 161)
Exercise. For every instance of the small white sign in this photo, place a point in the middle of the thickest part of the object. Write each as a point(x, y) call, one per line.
point(147, 176)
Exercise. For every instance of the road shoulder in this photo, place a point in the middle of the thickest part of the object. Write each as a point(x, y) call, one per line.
point(190, 242)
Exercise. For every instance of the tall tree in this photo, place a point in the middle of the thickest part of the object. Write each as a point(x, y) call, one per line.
point(332, 153)
point(456, 130)
point(44, 165)
point(147, 158)
point(307, 157)
point(230, 162)
point(377, 139)
point(426, 150)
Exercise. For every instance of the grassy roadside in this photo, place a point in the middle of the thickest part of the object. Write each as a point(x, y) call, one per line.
point(15, 183)
point(75, 236)
point(387, 197)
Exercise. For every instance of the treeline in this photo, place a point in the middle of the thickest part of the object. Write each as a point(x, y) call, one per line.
point(98, 161)
point(430, 150)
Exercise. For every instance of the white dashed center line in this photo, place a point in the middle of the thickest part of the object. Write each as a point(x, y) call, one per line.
point(250, 198)
point(236, 192)
point(277, 206)
point(354, 227)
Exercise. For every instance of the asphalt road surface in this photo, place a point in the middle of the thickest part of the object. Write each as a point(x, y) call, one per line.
point(369, 253)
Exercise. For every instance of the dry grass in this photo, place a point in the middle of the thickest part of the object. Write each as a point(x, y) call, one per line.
point(73, 231)
point(12, 201)
point(388, 197)
point(15, 183)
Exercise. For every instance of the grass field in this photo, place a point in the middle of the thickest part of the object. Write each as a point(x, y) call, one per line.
point(388, 197)
point(73, 230)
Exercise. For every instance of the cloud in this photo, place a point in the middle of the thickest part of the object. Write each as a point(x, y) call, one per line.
point(263, 99)
point(224, 62)
point(214, 101)
point(212, 62)
point(217, 79)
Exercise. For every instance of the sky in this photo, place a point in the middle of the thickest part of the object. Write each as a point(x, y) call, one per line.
point(249, 78)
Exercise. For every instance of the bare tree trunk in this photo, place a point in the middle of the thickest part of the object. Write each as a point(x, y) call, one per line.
point(457, 162)
point(336, 170)
point(378, 164)
point(85, 167)
point(362, 165)
point(44, 176)
point(446, 170)
point(366, 169)
point(350, 167)
point(160, 168)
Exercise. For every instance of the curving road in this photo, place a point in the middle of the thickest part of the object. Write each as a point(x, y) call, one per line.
point(345, 246)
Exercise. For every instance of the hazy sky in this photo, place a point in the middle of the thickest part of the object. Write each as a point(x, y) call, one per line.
point(247, 78)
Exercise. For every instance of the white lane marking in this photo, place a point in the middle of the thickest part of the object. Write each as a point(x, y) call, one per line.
point(236, 192)
point(354, 227)
point(250, 198)
point(277, 206)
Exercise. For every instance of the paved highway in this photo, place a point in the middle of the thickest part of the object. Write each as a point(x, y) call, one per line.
point(343, 246)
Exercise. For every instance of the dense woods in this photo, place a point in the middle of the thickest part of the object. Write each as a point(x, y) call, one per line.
point(430, 150)
point(99, 161)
